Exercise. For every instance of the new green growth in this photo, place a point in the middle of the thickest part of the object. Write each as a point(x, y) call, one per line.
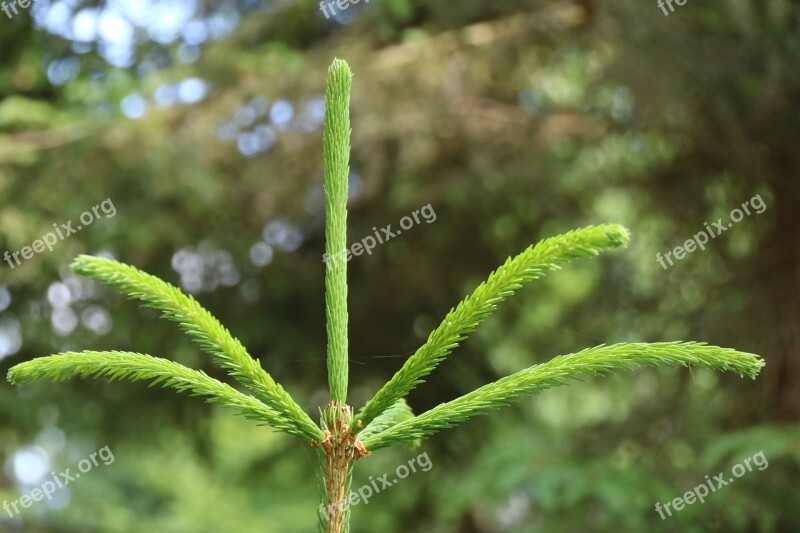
point(344, 436)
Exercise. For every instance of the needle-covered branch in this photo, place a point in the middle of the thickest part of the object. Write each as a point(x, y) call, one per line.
point(138, 367)
point(561, 371)
point(399, 412)
point(336, 161)
point(203, 328)
point(533, 263)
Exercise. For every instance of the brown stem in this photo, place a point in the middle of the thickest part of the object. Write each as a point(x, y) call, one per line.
point(338, 452)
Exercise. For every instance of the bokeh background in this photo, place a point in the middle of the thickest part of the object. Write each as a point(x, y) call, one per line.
point(515, 120)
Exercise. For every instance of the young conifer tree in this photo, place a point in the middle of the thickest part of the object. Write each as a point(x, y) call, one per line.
point(343, 437)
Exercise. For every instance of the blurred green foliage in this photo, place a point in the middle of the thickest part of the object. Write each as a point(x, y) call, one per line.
point(515, 120)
